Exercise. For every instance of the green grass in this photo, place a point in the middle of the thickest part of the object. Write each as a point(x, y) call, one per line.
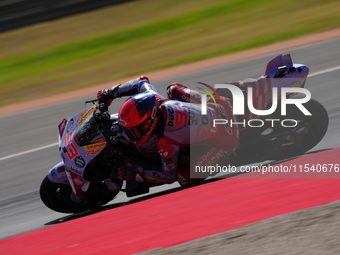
point(80, 51)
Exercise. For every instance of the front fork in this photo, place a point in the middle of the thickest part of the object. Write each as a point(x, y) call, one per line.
point(57, 174)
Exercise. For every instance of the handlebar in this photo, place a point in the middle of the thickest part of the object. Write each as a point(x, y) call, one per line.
point(102, 106)
point(92, 101)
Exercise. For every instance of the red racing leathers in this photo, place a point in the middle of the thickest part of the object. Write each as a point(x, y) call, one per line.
point(218, 141)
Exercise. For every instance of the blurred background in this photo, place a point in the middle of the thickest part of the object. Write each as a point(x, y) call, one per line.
point(53, 46)
point(19, 13)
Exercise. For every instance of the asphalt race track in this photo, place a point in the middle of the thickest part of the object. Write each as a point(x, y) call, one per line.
point(22, 211)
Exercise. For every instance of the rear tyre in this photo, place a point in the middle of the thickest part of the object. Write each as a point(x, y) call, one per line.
point(312, 128)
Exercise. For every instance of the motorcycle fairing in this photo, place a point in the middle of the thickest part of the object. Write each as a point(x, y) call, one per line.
point(61, 127)
point(296, 76)
point(81, 142)
point(278, 61)
point(263, 86)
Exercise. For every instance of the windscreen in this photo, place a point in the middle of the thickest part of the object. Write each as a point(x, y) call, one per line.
point(88, 132)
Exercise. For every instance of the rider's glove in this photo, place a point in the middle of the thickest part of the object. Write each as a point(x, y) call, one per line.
point(144, 78)
point(130, 173)
point(105, 96)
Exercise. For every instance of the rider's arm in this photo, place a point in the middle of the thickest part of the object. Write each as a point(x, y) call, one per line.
point(130, 88)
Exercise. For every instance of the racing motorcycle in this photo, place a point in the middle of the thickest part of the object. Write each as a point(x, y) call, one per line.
point(92, 144)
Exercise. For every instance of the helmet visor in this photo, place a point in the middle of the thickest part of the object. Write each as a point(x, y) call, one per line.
point(138, 132)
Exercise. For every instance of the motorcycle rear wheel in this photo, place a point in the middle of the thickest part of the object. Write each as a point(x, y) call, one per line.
point(316, 125)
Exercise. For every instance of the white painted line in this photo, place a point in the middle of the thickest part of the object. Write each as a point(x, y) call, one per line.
point(56, 143)
point(324, 71)
point(29, 151)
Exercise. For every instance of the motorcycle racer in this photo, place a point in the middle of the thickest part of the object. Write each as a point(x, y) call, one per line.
point(168, 126)
point(155, 140)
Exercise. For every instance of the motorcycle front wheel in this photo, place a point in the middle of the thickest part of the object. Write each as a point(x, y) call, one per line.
point(56, 196)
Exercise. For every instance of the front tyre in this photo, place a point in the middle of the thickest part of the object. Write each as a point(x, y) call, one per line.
point(56, 196)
